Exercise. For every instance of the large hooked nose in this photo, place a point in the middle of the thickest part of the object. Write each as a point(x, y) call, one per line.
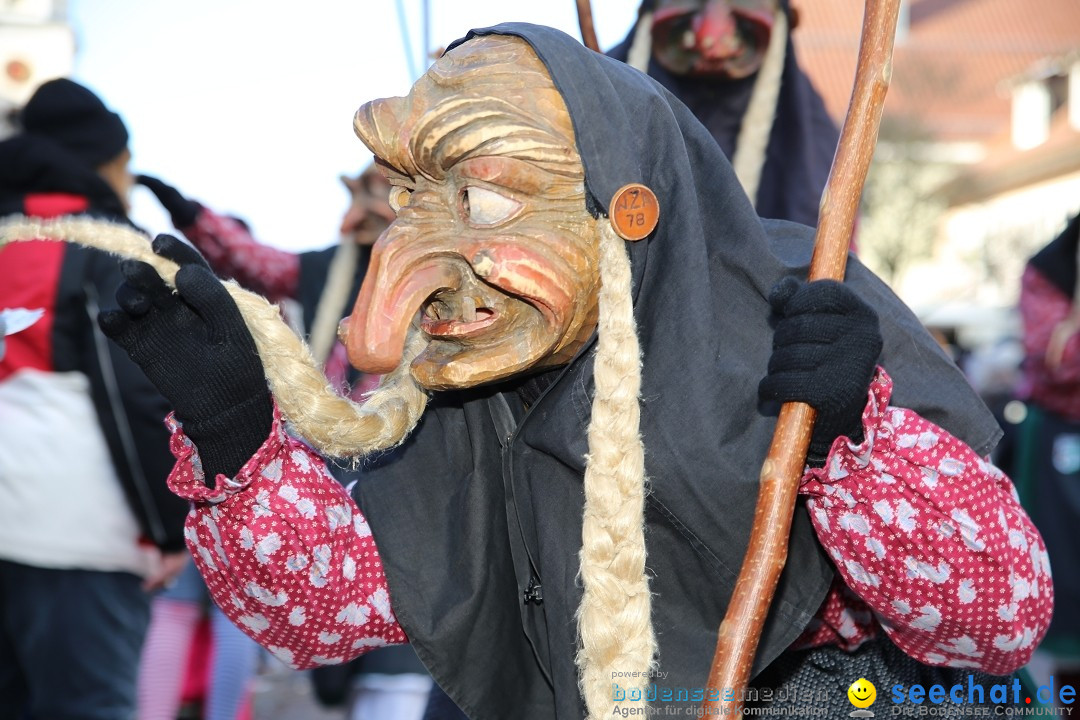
point(394, 289)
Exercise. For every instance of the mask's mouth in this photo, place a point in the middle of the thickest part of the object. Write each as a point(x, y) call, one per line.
point(455, 315)
point(441, 294)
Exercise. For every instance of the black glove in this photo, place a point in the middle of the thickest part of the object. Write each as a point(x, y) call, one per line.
point(825, 351)
point(195, 348)
point(182, 211)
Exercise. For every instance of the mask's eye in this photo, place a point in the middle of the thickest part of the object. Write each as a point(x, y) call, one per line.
point(399, 197)
point(485, 207)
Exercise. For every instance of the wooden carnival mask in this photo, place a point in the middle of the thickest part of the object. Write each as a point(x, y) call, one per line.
point(493, 253)
point(721, 38)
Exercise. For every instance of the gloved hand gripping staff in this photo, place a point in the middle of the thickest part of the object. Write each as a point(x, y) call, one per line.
point(783, 467)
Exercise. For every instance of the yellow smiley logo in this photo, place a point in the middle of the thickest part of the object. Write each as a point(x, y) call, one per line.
point(862, 693)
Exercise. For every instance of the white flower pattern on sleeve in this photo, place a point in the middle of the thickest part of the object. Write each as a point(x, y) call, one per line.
point(286, 553)
point(931, 538)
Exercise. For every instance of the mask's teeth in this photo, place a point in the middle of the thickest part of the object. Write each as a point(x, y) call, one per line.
point(468, 310)
point(435, 310)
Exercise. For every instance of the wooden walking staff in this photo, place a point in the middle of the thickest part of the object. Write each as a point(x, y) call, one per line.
point(585, 22)
point(783, 467)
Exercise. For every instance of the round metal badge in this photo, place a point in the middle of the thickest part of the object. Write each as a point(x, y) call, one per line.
point(634, 211)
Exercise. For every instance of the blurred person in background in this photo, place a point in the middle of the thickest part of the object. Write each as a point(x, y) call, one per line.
point(1047, 456)
point(324, 282)
point(87, 524)
point(389, 682)
point(733, 64)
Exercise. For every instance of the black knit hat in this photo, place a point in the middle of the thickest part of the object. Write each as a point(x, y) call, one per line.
point(75, 118)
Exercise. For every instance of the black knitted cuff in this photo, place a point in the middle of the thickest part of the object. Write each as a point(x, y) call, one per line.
point(172, 545)
point(229, 439)
point(818, 452)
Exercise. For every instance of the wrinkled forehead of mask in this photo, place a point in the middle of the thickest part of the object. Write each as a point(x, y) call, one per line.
point(489, 96)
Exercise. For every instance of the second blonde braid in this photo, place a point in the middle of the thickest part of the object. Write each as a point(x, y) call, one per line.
point(614, 618)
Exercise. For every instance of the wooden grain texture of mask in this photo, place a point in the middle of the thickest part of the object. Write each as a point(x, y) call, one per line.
point(493, 253)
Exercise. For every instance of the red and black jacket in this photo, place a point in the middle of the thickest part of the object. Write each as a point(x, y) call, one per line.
point(72, 284)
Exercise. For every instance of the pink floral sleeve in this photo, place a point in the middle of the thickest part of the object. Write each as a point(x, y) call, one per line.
point(1051, 386)
point(1042, 307)
point(931, 542)
point(286, 553)
point(928, 538)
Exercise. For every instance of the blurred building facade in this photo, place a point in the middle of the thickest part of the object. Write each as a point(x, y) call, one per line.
point(36, 44)
point(978, 163)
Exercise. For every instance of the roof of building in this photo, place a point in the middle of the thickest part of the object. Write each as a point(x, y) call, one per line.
point(1006, 167)
point(954, 65)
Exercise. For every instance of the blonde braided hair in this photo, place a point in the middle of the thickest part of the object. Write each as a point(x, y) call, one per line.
point(752, 144)
point(333, 298)
point(615, 615)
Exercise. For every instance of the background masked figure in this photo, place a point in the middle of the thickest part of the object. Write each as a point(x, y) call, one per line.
point(1047, 452)
point(732, 62)
point(526, 502)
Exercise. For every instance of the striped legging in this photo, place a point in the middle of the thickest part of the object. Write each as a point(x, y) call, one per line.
point(175, 615)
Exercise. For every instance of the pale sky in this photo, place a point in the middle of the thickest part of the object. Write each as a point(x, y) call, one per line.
point(247, 106)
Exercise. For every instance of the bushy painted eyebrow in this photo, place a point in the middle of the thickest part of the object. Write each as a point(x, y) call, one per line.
point(391, 171)
point(460, 128)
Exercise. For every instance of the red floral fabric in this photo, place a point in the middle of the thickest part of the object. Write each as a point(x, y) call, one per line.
point(931, 543)
point(286, 554)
